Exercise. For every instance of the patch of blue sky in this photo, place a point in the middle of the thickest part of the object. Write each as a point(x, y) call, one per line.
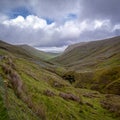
point(70, 16)
point(20, 11)
point(49, 20)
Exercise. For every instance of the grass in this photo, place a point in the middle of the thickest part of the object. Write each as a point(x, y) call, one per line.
point(3, 108)
point(18, 109)
point(107, 78)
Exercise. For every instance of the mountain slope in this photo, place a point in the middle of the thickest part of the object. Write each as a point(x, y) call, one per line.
point(92, 54)
point(94, 65)
point(37, 53)
point(25, 51)
point(71, 47)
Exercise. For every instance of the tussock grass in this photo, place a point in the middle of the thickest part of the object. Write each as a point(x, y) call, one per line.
point(19, 89)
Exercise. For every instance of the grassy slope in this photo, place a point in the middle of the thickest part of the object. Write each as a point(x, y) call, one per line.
point(26, 51)
point(105, 80)
point(3, 110)
point(37, 53)
point(95, 65)
point(36, 80)
point(92, 54)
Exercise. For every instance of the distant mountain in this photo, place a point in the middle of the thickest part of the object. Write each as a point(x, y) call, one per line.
point(41, 54)
point(25, 50)
point(91, 54)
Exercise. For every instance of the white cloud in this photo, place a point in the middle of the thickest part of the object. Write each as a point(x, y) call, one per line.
point(52, 49)
point(3, 17)
point(30, 21)
point(69, 29)
point(35, 31)
point(116, 27)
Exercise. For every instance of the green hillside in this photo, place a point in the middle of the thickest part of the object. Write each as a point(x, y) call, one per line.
point(92, 54)
point(34, 89)
point(37, 53)
point(94, 65)
point(26, 51)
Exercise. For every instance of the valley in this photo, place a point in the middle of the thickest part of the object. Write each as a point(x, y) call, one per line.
point(82, 83)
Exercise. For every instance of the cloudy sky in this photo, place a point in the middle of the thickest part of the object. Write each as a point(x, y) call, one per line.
point(51, 25)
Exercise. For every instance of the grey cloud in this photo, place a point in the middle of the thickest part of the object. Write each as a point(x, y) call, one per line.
point(6, 5)
point(101, 9)
point(55, 8)
point(117, 32)
point(95, 35)
point(15, 35)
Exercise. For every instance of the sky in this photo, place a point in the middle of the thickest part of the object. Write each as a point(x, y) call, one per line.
point(52, 25)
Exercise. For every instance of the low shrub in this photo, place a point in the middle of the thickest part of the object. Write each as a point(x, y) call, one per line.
point(69, 96)
point(49, 93)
